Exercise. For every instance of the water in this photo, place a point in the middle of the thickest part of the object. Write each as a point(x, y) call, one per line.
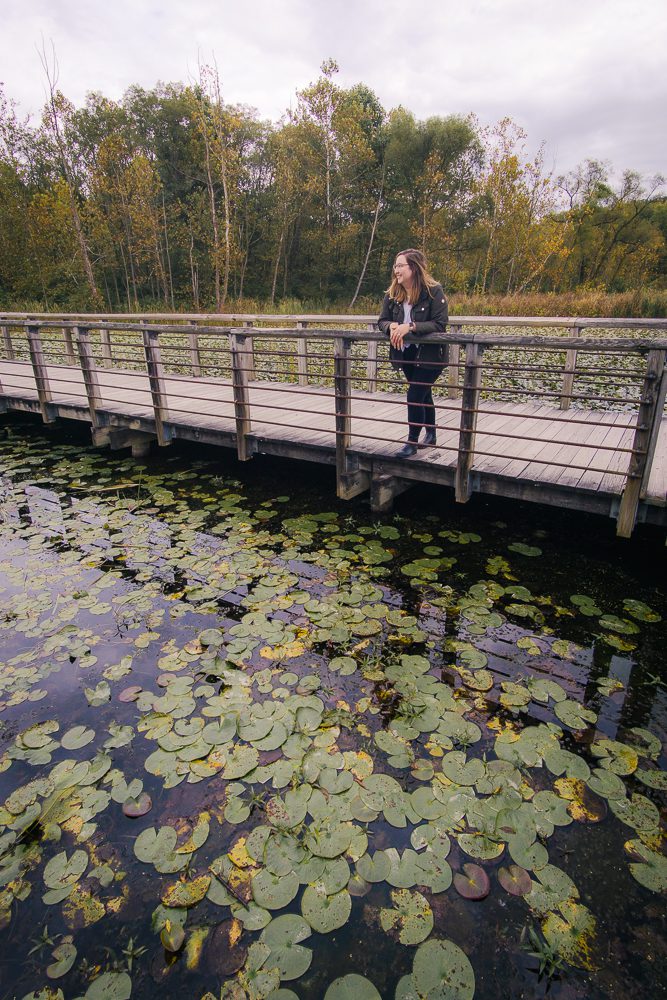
point(439, 647)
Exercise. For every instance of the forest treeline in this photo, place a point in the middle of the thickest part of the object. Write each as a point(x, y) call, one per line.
point(173, 198)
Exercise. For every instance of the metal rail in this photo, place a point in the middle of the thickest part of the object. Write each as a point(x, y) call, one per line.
point(97, 345)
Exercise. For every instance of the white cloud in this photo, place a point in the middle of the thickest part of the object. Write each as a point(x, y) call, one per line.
point(586, 77)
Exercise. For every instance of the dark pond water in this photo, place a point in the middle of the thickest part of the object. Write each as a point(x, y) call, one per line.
point(255, 742)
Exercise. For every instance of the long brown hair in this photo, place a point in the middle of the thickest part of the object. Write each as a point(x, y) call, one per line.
point(422, 280)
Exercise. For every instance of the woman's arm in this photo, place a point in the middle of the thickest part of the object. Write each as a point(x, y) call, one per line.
point(439, 314)
point(385, 315)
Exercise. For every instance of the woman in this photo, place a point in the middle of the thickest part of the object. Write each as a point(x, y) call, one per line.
point(415, 304)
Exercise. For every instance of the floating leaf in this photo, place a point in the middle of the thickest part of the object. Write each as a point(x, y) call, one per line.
point(186, 894)
point(472, 883)
point(226, 952)
point(283, 936)
point(77, 737)
point(352, 987)
point(64, 956)
point(135, 807)
point(441, 969)
point(110, 986)
point(412, 916)
point(515, 880)
point(325, 913)
point(172, 936)
point(273, 892)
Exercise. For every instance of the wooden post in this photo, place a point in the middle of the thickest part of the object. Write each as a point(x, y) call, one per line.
point(41, 374)
point(7, 343)
point(646, 433)
point(195, 357)
point(453, 361)
point(372, 361)
point(250, 352)
point(472, 383)
point(105, 341)
point(155, 370)
point(69, 345)
point(568, 372)
point(302, 354)
point(350, 480)
point(240, 369)
point(91, 382)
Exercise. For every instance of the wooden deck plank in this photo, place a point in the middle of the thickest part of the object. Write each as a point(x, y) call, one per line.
point(293, 415)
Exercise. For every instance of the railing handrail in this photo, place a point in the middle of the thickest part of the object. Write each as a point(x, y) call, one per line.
point(351, 477)
point(583, 322)
point(587, 344)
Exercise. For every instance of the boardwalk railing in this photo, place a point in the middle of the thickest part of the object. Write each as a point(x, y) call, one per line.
point(322, 384)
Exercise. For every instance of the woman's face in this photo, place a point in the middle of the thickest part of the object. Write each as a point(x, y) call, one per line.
point(402, 271)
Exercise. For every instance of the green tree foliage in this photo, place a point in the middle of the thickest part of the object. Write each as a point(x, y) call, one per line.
point(174, 198)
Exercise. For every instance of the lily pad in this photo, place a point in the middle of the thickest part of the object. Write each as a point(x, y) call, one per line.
point(325, 913)
point(441, 969)
point(352, 987)
point(64, 956)
point(473, 882)
point(284, 936)
point(135, 807)
point(515, 880)
point(411, 917)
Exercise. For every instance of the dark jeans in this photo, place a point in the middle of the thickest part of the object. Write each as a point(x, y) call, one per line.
point(421, 410)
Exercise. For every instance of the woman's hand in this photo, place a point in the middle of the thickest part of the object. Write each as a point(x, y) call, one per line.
point(397, 331)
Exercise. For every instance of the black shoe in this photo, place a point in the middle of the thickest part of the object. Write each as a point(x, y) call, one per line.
point(429, 438)
point(408, 450)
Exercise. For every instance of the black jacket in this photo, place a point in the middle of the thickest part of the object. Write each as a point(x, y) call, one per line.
point(430, 315)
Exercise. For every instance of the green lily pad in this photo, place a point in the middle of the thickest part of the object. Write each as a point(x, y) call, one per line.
point(352, 987)
point(441, 969)
point(64, 956)
point(77, 737)
point(172, 936)
point(575, 715)
point(110, 986)
point(325, 913)
point(640, 611)
point(525, 550)
point(273, 892)
point(283, 936)
point(411, 917)
point(375, 868)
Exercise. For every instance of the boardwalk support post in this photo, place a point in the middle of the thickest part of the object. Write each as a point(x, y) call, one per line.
point(384, 490)
point(105, 341)
point(241, 364)
point(195, 357)
point(453, 362)
point(7, 343)
point(372, 361)
point(250, 351)
point(472, 383)
point(568, 372)
point(350, 480)
point(99, 433)
point(41, 375)
point(69, 345)
point(643, 446)
point(155, 371)
point(302, 354)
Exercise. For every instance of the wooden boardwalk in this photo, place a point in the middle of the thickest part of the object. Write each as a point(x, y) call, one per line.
point(527, 450)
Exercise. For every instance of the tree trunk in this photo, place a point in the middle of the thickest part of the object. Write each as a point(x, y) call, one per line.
point(370, 242)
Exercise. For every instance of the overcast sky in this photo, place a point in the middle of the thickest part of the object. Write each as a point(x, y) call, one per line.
point(587, 77)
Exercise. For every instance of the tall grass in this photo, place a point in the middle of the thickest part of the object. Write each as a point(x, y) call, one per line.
point(640, 303)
